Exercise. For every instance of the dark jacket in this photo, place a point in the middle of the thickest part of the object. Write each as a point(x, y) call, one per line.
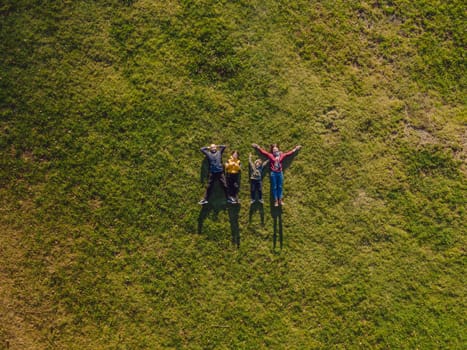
point(256, 172)
point(214, 159)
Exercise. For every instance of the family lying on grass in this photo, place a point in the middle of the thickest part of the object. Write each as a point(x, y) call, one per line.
point(230, 179)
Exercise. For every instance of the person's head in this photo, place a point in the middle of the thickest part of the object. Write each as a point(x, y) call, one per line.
point(235, 154)
point(274, 148)
point(258, 163)
point(213, 148)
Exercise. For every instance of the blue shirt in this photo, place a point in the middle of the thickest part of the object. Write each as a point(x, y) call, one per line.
point(214, 159)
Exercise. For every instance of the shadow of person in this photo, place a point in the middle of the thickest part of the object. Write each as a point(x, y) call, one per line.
point(234, 211)
point(276, 213)
point(287, 162)
point(204, 171)
point(215, 205)
point(257, 207)
point(216, 201)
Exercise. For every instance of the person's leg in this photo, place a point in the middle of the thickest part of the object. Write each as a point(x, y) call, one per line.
point(274, 185)
point(228, 180)
point(223, 182)
point(231, 185)
point(259, 188)
point(236, 185)
point(252, 189)
point(211, 180)
point(280, 182)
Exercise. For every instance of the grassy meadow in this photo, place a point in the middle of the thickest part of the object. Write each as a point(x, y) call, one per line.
point(103, 108)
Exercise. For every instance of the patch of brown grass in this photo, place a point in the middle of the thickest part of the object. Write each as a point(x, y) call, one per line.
point(17, 328)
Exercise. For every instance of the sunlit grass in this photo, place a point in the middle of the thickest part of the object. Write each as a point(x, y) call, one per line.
point(103, 108)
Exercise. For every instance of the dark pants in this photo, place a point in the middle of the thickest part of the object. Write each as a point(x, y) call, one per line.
point(212, 178)
point(256, 186)
point(233, 185)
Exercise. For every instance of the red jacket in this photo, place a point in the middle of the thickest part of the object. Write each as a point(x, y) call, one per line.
point(276, 162)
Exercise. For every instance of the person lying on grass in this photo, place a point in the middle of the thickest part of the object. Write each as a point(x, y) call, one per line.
point(216, 171)
point(256, 179)
point(276, 157)
point(233, 169)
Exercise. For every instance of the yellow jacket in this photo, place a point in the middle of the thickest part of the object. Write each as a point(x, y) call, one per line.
point(232, 166)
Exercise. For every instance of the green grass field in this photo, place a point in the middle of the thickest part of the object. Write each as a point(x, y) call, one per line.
point(103, 108)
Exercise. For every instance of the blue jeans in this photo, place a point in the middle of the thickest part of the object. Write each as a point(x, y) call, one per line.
point(277, 179)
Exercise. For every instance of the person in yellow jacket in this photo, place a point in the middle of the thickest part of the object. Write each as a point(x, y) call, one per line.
point(232, 170)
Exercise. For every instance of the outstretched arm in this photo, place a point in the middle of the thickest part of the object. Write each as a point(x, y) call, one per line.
point(251, 162)
point(292, 151)
point(204, 150)
point(262, 151)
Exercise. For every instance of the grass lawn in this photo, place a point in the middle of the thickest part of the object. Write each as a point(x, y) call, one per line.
point(104, 106)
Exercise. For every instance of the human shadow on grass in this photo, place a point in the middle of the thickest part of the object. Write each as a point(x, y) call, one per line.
point(276, 213)
point(287, 162)
point(256, 207)
point(216, 204)
point(204, 171)
point(234, 211)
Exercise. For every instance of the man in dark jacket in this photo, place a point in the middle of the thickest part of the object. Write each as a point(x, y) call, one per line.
point(216, 170)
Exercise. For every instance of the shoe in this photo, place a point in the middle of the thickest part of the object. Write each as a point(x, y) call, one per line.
point(281, 202)
point(203, 201)
point(276, 203)
point(230, 200)
point(261, 201)
point(252, 201)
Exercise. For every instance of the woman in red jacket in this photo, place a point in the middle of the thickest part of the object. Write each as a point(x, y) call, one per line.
point(277, 176)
